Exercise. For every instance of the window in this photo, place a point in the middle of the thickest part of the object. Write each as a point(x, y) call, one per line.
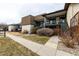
point(53, 21)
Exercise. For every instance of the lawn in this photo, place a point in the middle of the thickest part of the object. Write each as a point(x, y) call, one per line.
point(32, 37)
point(15, 33)
point(37, 38)
point(9, 47)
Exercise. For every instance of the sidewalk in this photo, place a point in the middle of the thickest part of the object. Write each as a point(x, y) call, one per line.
point(35, 47)
point(62, 53)
point(53, 42)
point(49, 49)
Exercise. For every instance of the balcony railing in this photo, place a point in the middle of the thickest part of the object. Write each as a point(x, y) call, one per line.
point(47, 24)
point(51, 24)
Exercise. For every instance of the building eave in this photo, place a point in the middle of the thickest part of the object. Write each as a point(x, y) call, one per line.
point(56, 13)
point(66, 6)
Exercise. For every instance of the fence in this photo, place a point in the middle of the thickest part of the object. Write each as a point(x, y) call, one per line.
point(3, 32)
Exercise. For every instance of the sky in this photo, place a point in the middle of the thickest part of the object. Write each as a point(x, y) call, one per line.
point(13, 10)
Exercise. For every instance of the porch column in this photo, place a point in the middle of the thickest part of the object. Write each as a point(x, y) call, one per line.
point(57, 19)
point(44, 22)
point(57, 27)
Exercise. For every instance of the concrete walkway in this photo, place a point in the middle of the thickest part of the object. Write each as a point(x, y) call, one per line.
point(53, 42)
point(62, 53)
point(35, 47)
point(49, 49)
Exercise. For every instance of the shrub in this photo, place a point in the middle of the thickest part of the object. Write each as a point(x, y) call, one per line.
point(25, 32)
point(56, 31)
point(76, 38)
point(68, 42)
point(71, 37)
point(45, 32)
point(33, 31)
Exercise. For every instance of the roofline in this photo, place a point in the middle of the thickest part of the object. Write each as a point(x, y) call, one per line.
point(27, 16)
point(66, 6)
point(54, 12)
point(13, 24)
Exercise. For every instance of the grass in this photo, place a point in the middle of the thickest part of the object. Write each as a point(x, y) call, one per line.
point(15, 33)
point(32, 37)
point(37, 38)
point(9, 47)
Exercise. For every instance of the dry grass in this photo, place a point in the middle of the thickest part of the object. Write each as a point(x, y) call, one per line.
point(37, 38)
point(9, 47)
point(15, 33)
point(32, 37)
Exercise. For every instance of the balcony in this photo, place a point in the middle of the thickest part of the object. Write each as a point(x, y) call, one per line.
point(51, 23)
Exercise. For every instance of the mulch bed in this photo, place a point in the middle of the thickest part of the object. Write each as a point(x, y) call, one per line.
point(74, 51)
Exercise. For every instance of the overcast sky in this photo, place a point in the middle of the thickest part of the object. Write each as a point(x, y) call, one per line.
point(12, 12)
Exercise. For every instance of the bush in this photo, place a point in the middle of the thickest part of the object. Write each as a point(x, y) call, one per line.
point(25, 32)
point(76, 38)
point(68, 41)
point(56, 31)
point(71, 37)
point(33, 31)
point(45, 32)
